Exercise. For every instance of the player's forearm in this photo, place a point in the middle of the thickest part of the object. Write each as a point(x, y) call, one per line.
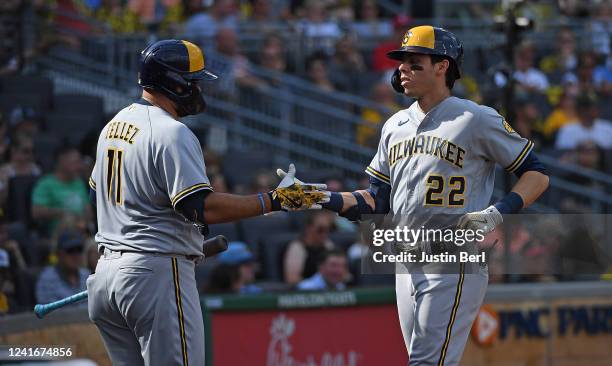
point(352, 205)
point(530, 186)
point(225, 207)
point(349, 199)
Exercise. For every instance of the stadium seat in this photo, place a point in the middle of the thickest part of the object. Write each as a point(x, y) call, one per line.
point(254, 229)
point(30, 85)
point(272, 249)
point(229, 230)
point(72, 127)
point(605, 108)
point(297, 220)
point(44, 151)
point(19, 200)
point(240, 167)
point(317, 175)
point(18, 231)
point(202, 273)
point(26, 83)
point(26, 287)
point(375, 280)
point(79, 104)
point(608, 161)
point(343, 239)
point(8, 102)
point(319, 121)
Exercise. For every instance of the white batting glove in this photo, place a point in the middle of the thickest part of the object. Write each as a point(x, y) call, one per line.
point(292, 194)
point(317, 191)
point(485, 220)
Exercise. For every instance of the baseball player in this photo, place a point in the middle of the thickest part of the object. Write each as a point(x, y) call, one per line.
point(437, 159)
point(153, 202)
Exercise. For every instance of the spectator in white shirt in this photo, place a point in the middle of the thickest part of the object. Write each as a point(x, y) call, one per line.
point(320, 31)
point(317, 23)
point(204, 25)
point(527, 76)
point(600, 27)
point(369, 23)
point(588, 126)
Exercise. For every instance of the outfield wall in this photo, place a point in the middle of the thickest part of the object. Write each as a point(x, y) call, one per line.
point(526, 324)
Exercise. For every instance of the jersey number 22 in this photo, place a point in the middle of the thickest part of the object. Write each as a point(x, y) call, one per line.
point(436, 184)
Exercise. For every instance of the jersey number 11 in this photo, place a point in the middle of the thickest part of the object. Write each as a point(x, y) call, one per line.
point(114, 167)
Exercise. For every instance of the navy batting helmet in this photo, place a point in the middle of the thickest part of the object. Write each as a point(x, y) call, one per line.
point(429, 40)
point(174, 68)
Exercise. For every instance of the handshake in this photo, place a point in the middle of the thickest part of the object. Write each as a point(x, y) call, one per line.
point(293, 195)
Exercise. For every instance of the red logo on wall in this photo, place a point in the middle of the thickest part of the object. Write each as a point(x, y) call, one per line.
point(352, 336)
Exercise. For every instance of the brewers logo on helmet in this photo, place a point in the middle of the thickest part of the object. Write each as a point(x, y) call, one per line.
point(428, 40)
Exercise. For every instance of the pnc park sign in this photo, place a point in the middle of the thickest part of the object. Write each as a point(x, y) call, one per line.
point(493, 325)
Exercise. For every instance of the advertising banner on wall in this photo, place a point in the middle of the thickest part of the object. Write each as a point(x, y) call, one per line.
point(361, 327)
point(363, 335)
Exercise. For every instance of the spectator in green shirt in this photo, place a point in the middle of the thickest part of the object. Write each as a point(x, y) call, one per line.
point(61, 194)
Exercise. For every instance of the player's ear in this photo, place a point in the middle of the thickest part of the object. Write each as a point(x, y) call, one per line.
point(442, 66)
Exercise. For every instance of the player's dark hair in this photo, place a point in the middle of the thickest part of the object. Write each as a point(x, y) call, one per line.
point(450, 72)
point(330, 253)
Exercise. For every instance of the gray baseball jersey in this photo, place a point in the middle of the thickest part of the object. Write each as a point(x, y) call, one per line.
point(146, 162)
point(144, 285)
point(443, 162)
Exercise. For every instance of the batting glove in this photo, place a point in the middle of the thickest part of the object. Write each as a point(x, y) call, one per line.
point(485, 220)
point(292, 194)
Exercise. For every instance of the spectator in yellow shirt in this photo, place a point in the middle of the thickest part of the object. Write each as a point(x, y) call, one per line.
point(366, 134)
point(564, 59)
point(564, 113)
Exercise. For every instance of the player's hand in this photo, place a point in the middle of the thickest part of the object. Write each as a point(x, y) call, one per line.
point(485, 220)
point(292, 194)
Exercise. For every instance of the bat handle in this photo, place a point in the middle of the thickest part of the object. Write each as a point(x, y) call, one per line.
point(43, 309)
point(214, 246)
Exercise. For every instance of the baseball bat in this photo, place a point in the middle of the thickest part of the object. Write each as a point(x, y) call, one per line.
point(210, 247)
point(214, 246)
point(43, 309)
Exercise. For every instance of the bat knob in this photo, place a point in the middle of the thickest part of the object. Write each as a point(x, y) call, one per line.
point(38, 310)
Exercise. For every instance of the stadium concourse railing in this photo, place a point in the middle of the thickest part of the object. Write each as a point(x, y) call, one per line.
point(287, 116)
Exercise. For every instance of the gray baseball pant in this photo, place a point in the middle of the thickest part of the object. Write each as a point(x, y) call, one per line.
point(436, 312)
point(147, 309)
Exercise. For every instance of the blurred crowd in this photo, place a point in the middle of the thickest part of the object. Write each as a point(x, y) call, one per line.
point(341, 45)
point(48, 250)
point(562, 103)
